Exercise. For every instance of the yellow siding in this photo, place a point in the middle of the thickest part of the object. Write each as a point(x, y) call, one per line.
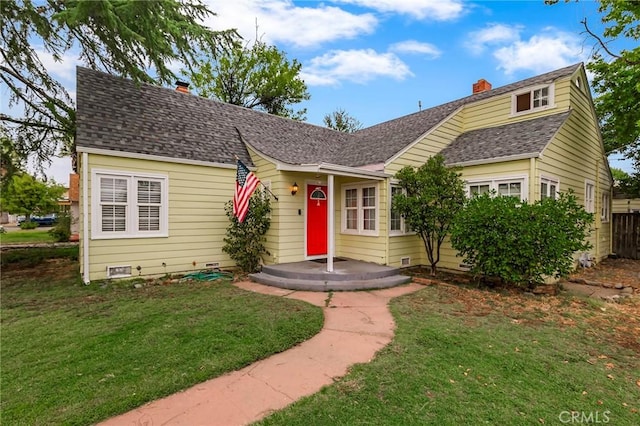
point(626, 205)
point(197, 223)
point(576, 155)
point(496, 111)
point(432, 143)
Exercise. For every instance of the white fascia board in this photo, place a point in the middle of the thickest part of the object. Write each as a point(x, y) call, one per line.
point(422, 136)
point(495, 160)
point(150, 157)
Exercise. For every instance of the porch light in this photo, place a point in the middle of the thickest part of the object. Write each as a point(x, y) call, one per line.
point(294, 189)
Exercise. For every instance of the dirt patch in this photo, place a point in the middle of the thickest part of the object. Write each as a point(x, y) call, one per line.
point(612, 271)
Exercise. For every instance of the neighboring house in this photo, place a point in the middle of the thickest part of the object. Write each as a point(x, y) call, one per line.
point(623, 203)
point(157, 166)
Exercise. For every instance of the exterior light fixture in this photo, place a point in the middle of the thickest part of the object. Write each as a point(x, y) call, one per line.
point(294, 189)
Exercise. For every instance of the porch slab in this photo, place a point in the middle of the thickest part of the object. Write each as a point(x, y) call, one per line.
point(348, 275)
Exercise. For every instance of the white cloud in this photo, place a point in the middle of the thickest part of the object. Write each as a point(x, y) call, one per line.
point(551, 50)
point(358, 66)
point(63, 70)
point(493, 34)
point(438, 10)
point(413, 46)
point(281, 21)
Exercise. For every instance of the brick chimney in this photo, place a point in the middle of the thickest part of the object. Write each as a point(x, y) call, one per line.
point(481, 86)
point(181, 86)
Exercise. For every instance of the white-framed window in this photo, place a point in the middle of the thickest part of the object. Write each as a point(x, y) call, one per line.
point(604, 210)
point(532, 99)
point(507, 186)
point(549, 188)
point(360, 209)
point(129, 205)
point(397, 225)
point(589, 196)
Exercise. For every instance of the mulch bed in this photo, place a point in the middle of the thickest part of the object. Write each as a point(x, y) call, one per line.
point(612, 271)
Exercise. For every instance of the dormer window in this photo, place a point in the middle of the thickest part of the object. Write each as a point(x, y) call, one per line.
point(533, 100)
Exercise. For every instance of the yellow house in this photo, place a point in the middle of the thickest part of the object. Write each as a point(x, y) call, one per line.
point(157, 166)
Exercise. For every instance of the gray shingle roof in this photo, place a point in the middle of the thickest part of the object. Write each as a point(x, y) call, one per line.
point(501, 142)
point(116, 114)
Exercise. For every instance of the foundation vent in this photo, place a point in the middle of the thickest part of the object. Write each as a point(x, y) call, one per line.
point(118, 271)
point(212, 265)
point(405, 261)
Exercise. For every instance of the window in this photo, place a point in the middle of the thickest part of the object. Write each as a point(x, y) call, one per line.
point(360, 211)
point(534, 99)
point(129, 205)
point(548, 188)
point(511, 187)
point(604, 212)
point(397, 225)
point(589, 189)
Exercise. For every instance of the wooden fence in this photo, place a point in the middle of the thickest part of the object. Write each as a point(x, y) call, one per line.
point(626, 235)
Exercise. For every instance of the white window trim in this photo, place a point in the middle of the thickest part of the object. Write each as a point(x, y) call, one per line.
point(360, 210)
point(551, 96)
point(403, 226)
point(493, 183)
point(549, 180)
point(605, 213)
point(589, 204)
point(132, 216)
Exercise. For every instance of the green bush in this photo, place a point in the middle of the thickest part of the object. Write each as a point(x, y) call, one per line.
point(521, 243)
point(27, 224)
point(245, 241)
point(62, 229)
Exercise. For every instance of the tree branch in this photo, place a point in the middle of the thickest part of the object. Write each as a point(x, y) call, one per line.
point(5, 117)
point(603, 44)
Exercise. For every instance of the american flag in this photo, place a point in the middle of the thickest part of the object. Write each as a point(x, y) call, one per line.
point(246, 183)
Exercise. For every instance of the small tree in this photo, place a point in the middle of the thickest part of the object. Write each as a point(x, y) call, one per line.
point(26, 195)
point(433, 195)
point(521, 243)
point(244, 242)
point(341, 120)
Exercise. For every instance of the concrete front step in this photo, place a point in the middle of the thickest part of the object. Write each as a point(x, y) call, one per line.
point(329, 285)
point(343, 271)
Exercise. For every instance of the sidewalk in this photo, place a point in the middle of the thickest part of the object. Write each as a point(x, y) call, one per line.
point(356, 326)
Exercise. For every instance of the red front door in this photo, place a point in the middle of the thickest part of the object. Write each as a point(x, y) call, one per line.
point(316, 220)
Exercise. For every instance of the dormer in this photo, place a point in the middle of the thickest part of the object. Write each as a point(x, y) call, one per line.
point(532, 99)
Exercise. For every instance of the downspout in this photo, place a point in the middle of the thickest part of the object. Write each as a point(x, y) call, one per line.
point(330, 224)
point(595, 203)
point(85, 217)
point(532, 179)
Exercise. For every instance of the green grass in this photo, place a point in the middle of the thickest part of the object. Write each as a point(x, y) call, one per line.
point(26, 236)
point(469, 357)
point(75, 354)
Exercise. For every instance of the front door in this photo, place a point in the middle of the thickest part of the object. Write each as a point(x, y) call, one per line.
point(316, 220)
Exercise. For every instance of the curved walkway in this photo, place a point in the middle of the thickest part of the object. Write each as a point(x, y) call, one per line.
point(356, 326)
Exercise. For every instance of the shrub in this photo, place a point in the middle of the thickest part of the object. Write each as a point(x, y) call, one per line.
point(28, 224)
point(521, 243)
point(244, 242)
point(62, 229)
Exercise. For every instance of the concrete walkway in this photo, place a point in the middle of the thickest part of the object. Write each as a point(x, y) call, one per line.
point(356, 326)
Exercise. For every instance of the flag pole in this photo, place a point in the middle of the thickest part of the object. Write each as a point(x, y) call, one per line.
point(266, 189)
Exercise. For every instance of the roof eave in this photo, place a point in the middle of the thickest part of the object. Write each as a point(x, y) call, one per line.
point(482, 161)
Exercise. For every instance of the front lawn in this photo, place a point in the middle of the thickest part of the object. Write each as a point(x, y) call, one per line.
point(26, 236)
point(76, 354)
point(463, 356)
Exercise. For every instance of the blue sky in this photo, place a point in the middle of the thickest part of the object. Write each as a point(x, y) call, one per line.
point(377, 59)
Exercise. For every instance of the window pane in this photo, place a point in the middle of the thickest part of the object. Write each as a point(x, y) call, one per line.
point(523, 102)
point(148, 192)
point(352, 219)
point(544, 190)
point(368, 197)
point(149, 218)
point(351, 198)
point(479, 189)
point(114, 218)
point(552, 191)
point(395, 217)
point(369, 219)
point(113, 190)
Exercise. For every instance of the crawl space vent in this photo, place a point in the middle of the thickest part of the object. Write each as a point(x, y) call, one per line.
point(405, 261)
point(118, 271)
